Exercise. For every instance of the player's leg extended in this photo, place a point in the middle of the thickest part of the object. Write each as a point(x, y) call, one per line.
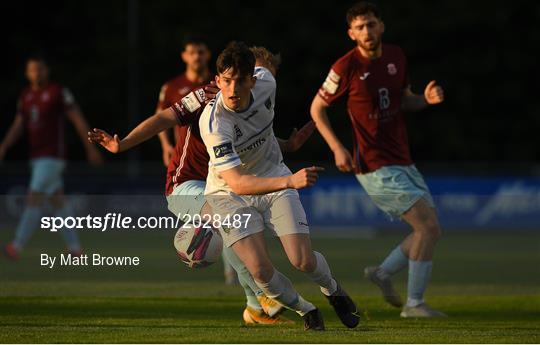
point(314, 265)
point(287, 218)
point(252, 251)
point(63, 209)
point(419, 247)
point(188, 198)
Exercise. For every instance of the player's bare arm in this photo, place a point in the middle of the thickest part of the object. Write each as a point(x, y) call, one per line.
point(13, 134)
point(243, 184)
point(166, 146)
point(297, 138)
point(319, 114)
point(433, 94)
point(144, 131)
point(76, 117)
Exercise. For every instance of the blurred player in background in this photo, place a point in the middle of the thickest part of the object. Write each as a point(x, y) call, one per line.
point(41, 110)
point(374, 76)
point(247, 175)
point(196, 56)
point(188, 170)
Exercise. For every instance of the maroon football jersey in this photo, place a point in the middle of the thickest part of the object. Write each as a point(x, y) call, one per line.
point(375, 88)
point(190, 160)
point(173, 91)
point(44, 112)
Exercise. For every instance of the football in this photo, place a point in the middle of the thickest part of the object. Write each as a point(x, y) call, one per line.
point(198, 247)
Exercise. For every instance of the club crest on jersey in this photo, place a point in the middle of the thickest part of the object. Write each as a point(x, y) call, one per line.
point(268, 103)
point(392, 70)
point(223, 150)
point(237, 132)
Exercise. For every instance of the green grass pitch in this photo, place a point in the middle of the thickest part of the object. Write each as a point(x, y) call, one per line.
point(488, 283)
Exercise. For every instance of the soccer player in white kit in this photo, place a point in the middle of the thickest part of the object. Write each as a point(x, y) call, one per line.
point(248, 180)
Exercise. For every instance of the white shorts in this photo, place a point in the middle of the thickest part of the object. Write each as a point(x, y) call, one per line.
point(281, 213)
point(187, 199)
point(395, 188)
point(46, 175)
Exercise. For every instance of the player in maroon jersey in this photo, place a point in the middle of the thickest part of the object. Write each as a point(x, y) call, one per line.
point(196, 56)
point(374, 77)
point(41, 111)
point(187, 173)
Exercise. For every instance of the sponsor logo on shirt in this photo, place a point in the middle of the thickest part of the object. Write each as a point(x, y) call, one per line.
point(253, 145)
point(191, 102)
point(223, 150)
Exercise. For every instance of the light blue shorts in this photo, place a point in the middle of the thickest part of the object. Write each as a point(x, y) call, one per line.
point(46, 175)
point(187, 199)
point(395, 188)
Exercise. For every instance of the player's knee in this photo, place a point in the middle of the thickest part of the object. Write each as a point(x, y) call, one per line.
point(430, 229)
point(304, 263)
point(262, 272)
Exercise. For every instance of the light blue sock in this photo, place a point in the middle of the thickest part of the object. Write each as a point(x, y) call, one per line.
point(419, 274)
point(251, 289)
point(70, 235)
point(394, 262)
point(30, 221)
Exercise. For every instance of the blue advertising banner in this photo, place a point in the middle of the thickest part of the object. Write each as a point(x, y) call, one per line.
point(488, 203)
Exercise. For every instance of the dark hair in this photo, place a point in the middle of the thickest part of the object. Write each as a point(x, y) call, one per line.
point(263, 54)
point(237, 56)
point(194, 39)
point(360, 9)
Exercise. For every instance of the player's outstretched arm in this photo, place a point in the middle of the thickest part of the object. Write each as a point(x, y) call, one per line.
point(13, 134)
point(252, 185)
point(342, 156)
point(411, 102)
point(297, 138)
point(145, 130)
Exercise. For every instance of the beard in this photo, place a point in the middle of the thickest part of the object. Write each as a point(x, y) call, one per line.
point(371, 46)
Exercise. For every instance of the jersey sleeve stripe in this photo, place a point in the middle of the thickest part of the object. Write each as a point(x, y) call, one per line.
point(229, 161)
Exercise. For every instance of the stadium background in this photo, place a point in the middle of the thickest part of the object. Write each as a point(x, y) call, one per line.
point(480, 143)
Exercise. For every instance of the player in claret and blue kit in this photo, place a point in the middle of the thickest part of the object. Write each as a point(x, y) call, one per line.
point(374, 77)
point(41, 112)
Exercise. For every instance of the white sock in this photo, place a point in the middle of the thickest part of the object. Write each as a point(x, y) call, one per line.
point(322, 275)
point(393, 263)
point(413, 302)
point(280, 288)
point(419, 274)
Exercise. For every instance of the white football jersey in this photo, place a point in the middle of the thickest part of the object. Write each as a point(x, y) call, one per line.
point(243, 139)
